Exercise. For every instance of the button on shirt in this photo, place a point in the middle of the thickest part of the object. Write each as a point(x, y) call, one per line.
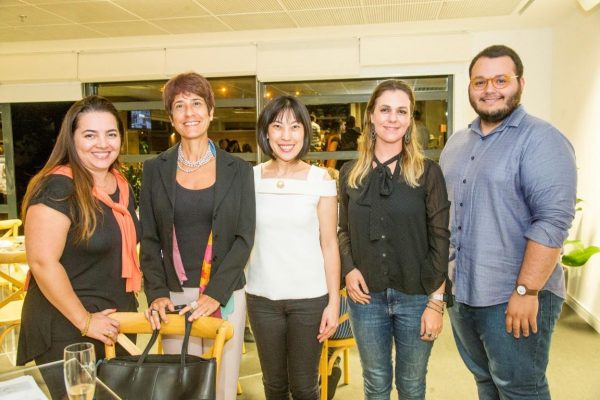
point(399, 241)
point(515, 184)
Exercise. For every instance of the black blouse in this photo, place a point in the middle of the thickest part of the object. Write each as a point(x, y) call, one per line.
point(193, 222)
point(398, 241)
point(94, 269)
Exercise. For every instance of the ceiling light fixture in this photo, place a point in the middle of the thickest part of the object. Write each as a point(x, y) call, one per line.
point(587, 5)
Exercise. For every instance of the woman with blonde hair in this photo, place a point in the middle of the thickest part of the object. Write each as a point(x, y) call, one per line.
point(394, 238)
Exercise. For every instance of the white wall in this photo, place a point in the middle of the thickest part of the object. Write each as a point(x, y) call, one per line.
point(562, 73)
point(357, 52)
point(576, 111)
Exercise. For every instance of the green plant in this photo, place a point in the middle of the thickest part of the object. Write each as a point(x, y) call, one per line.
point(579, 253)
point(133, 173)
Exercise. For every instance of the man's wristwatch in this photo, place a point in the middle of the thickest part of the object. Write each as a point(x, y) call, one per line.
point(439, 296)
point(523, 290)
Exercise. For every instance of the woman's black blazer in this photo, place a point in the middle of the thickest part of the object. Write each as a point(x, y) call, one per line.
point(234, 220)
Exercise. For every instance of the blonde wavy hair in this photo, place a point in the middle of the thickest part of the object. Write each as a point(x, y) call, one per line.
point(412, 159)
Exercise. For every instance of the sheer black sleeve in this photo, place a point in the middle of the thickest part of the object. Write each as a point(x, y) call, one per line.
point(435, 269)
point(347, 261)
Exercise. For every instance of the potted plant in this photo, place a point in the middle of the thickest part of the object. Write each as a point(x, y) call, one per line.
point(578, 253)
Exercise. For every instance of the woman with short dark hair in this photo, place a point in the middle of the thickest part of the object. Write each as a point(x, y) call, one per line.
point(197, 212)
point(293, 273)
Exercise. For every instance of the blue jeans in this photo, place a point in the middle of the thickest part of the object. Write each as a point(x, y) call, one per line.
point(391, 316)
point(505, 367)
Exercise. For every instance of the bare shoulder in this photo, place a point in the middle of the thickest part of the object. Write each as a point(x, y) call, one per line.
point(327, 174)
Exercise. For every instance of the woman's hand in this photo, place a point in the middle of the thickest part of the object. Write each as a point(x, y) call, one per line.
point(357, 287)
point(329, 322)
point(432, 322)
point(158, 311)
point(204, 306)
point(102, 327)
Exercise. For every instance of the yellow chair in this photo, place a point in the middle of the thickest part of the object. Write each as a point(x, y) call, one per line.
point(10, 318)
point(11, 226)
point(18, 285)
point(341, 346)
point(206, 327)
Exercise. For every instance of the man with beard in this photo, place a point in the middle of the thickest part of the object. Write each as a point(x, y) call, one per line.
point(511, 179)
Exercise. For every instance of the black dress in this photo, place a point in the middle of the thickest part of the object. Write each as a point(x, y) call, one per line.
point(94, 270)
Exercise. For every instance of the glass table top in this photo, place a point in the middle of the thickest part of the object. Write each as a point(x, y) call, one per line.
point(9, 372)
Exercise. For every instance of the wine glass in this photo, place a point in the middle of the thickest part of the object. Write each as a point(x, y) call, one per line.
point(80, 371)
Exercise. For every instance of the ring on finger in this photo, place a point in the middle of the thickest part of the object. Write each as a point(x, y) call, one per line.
point(194, 305)
point(154, 311)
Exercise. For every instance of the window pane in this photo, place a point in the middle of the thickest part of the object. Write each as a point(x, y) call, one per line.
point(147, 126)
point(332, 102)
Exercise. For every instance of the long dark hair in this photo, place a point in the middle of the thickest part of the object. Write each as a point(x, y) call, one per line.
point(64, 153)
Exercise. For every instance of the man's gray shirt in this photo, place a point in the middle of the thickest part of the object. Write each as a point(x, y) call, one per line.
point(515, 184)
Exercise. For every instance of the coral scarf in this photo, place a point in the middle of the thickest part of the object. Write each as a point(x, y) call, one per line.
point(130, 264)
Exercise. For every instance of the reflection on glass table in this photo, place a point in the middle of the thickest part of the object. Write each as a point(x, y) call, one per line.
point(34, 372)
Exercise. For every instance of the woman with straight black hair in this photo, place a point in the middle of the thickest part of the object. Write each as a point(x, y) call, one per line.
point(294, 268)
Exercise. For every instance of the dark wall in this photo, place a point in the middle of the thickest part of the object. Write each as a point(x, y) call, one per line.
point(35, 128)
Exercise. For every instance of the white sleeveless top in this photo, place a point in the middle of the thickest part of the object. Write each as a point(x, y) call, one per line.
point(286, 261)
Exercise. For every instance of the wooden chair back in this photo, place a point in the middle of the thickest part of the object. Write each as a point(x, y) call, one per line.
point(206, 327)
point(341, 347)
point(13, 275)
point(10, 318)
point(11, 226)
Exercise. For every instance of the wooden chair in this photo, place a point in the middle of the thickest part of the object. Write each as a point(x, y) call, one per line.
point(11, 226)
point(206, 327)
point(10, 318)
point(11, 259)
point(341, 346)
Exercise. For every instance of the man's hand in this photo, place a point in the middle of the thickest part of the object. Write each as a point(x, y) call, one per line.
point(521, 315)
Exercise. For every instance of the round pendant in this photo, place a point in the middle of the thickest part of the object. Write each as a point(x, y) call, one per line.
point(280, 184)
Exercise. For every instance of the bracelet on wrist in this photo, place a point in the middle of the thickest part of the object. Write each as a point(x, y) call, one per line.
point(435, 309)
point(88, 319)
point(437, 305)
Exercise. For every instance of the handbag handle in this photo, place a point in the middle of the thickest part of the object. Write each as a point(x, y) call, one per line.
point(184, 346)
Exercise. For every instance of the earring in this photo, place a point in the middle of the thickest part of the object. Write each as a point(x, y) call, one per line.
point(407, 136)
point(373, 133)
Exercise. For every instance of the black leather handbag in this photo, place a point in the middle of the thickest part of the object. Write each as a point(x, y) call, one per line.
point(162, 376)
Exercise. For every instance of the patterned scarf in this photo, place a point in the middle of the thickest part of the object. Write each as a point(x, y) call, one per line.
point(205, 270)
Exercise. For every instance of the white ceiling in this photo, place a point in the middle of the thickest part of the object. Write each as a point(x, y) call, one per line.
point(34, 20)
